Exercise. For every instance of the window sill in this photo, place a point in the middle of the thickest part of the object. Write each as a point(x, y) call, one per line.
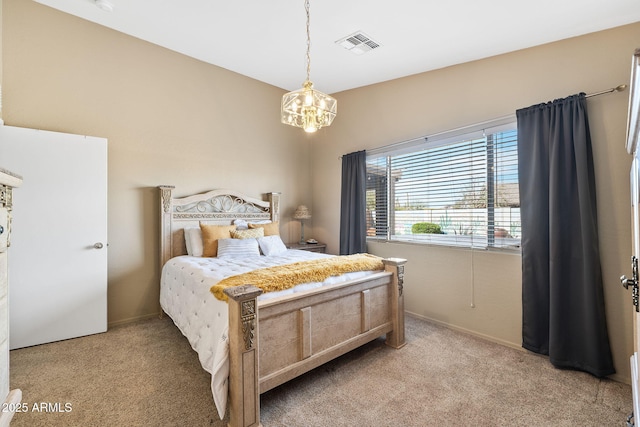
point(459, 246)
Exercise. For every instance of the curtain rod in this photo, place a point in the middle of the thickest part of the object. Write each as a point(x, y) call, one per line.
point(618, 88)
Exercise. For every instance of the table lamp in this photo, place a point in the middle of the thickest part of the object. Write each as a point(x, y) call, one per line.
point(302, 213)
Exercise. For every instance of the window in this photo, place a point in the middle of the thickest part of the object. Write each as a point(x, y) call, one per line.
point(458, 188)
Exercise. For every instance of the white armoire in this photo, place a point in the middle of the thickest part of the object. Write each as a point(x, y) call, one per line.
point(9, 400)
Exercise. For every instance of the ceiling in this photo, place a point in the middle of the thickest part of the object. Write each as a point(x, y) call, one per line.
point(266, 39)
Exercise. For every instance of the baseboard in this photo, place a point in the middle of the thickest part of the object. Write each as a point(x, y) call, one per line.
point(467, 331)
point(615, 377)
point(619, 378)
point(134, 319)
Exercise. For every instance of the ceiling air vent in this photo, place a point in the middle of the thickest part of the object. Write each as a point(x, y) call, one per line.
point(358, 43)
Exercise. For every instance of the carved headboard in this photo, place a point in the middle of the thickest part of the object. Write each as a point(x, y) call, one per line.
point(212, 207)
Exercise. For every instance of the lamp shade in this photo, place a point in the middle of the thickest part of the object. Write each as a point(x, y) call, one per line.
point(302, 212)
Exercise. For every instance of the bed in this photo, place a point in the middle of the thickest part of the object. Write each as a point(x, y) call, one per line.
point(255, 341)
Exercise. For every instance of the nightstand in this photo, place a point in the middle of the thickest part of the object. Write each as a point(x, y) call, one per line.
point(311, 247)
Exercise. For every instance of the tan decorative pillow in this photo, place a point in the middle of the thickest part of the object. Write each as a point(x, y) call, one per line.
point(210, 235)
point(270, 229)
point(252, 233)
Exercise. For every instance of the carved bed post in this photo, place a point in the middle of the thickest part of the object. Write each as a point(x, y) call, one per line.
point(274, 202)
point(244, 380)
point(395, 338)
point(166, 251)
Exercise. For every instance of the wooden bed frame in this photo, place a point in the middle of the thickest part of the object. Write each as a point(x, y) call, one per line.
point(273, 341)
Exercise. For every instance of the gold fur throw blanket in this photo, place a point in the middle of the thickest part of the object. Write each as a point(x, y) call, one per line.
point(289, 275)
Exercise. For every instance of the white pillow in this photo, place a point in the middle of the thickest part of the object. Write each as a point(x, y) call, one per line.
point(262, 221)
point(240, 224)
point(238, 248)
point(193, 240)
point(272, 245)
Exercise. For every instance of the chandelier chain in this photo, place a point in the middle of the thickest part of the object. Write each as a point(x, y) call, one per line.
point(306, 8)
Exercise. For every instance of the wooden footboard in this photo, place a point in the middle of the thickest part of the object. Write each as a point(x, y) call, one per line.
point(276, 340)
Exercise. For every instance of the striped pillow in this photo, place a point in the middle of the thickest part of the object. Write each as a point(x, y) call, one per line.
point(238, 248)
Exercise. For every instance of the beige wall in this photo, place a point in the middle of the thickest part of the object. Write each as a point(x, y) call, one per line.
point(442, 284)
point(169, 119)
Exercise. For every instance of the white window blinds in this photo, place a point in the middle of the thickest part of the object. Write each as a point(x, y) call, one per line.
point(457, 188)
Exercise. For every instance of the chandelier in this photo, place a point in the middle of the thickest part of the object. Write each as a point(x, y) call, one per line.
point(308, 108)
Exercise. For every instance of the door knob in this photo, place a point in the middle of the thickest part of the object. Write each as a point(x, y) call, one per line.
point(633, 282)
point(98, 245)
point(627, 282)
point(1, 229)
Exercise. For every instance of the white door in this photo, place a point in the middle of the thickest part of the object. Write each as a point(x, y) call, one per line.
point(633, 137)
point(633, 282)
point(58, 264)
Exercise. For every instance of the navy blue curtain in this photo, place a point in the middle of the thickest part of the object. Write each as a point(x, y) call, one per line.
point(353, 224)
point(562, 293)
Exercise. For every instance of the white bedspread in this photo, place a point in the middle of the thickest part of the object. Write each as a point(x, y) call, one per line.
point(185, 296)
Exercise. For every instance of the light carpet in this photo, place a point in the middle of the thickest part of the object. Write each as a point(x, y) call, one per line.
point(146, 374)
